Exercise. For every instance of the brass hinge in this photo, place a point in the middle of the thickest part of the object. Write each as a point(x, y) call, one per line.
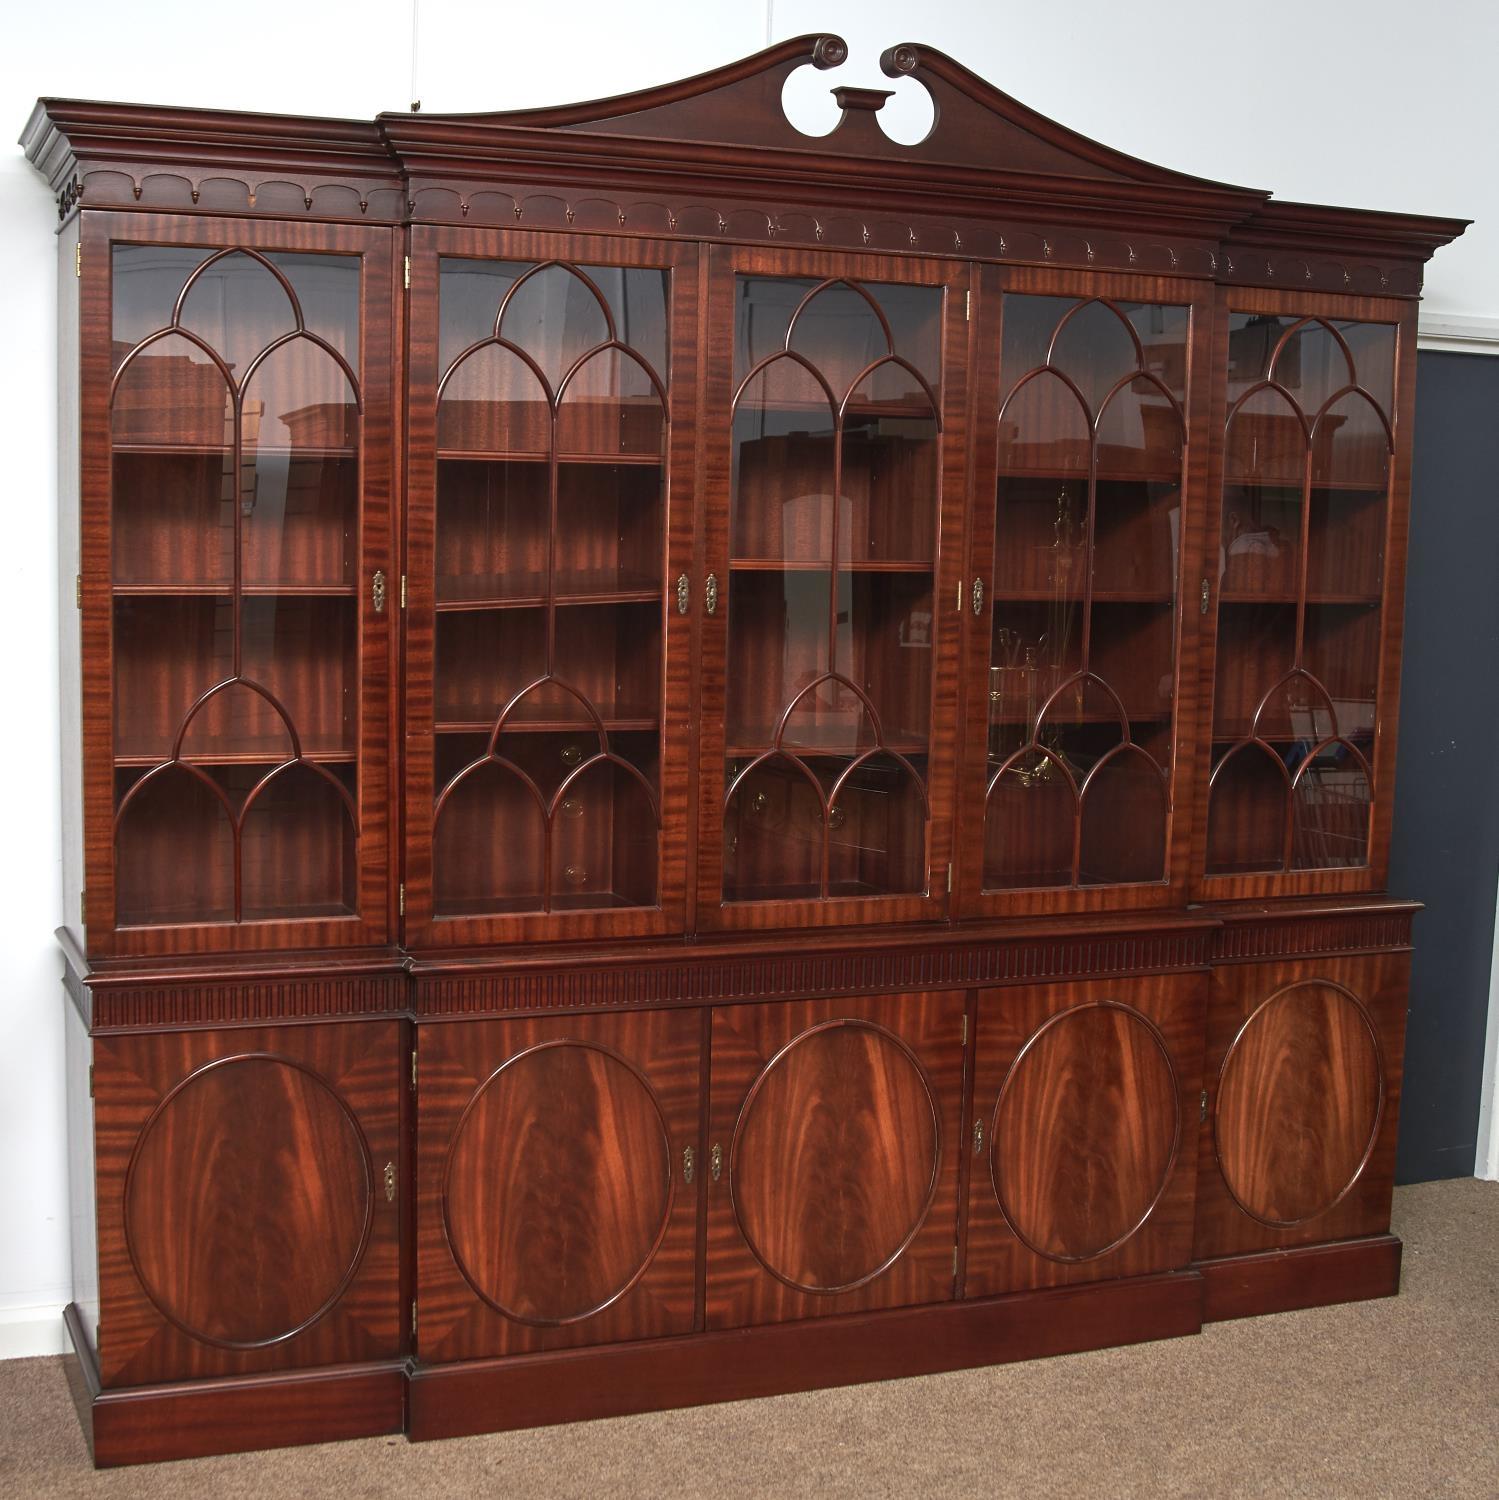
point(403, 591)
point(413, 1317)
point(1202, 1108)
point(401, 899)
point(949, 877)
point(967, 306)
point(78, 590)
point(954, 1262)
point(408, 288)
point(965, 1028)
point(91, 1080)
point(413, 1067)
point(78, 258)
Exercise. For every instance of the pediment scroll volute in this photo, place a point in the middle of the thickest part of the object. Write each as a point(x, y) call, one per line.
point(974, 126)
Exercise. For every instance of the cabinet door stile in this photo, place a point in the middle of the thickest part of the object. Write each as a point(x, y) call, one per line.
point(551, 497)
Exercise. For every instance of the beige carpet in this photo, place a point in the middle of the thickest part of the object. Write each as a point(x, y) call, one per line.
point(1399, 1397)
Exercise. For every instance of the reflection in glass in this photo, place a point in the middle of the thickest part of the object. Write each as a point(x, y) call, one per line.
point(1301, 575)
point(235, 417)
point(550, 544)
point(1087, 540)
point(833, 528)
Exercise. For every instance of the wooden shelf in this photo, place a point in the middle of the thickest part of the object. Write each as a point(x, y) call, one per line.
point(1292, 487)
point(638, 725)
point(240, 758)
point(594, 460)
point(566, 900)
point(749, 746)
point(1104, 476)
point(248, 452)
point(1003, 595)
point(1230, 732)
point(1286, 597)
point(226, 590)
point(527, 591)
point(900, 410)
point(809, 565)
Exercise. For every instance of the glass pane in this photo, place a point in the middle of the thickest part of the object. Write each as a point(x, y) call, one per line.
point(550, 560)
point(235, 418)
point(1086, 557)
point(1305, 510)
point(1330, 811)
point(1247, 812)
point(1029, 818)
point(834, 500)
point(773, 827)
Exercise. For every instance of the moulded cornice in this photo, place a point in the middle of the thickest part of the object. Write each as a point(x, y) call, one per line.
point(714, 156)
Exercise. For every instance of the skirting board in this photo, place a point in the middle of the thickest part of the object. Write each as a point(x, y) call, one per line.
point(30, 1332)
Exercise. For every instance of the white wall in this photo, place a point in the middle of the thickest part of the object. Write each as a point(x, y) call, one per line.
point(1376, 103)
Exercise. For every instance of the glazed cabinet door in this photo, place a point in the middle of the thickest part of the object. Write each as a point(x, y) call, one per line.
point(833, 442)
point(1083, 1139)
point(1303, 1096)
point(237, 582)
point(1308, 585)
point(558, 1185)
point(249, 1198)
point(549, 516)
point(1090, 461)
point(833, 1156)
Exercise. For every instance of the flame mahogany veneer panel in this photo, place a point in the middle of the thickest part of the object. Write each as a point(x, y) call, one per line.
point(552, 1203)
point(1084, 1121)
point(1000, 1138)
point(835, 1124)
point(244, 1219)
point(1303, 1081)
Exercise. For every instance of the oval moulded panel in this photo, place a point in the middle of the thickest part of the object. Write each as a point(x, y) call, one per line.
point(1086, 1131)
point(1300, 1099)
point(835, 1157)
point(248, 1201)
point(558, 1189)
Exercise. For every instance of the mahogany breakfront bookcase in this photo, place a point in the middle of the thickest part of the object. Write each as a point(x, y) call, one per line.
point(710, 761)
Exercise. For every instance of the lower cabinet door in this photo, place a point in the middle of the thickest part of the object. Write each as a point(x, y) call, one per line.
point(1303, 1084)
point(557, 1185)
point(833, 1168)
point(1084, 1134)
point(249, 1199)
